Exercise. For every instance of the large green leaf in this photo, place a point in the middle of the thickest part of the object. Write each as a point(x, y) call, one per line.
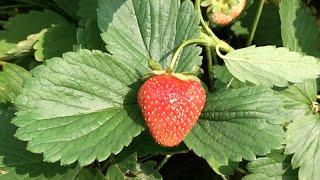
point(268, 65)
point(238, 124)
point(19, 28)
point(298, 99)
point(138, 30)
point(269, 20)
point(299, 28)
point(70, 6)
point(303, 139)
point(11, 79)
point(17, 163)
point(275, 166)
point(80, 107)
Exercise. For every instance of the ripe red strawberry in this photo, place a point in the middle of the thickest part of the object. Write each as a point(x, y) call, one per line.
point(171, 106)
point(222, 12)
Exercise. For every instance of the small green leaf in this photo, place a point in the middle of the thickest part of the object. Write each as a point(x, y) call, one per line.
point(88, 9)
point(80, 107)
point(303, 139)
point(11, 79)
point(268, 65)
point(56, 41)
point(224, 78)
point(138, 30)
point(274, 166)
point(19, 28)
point(238, 124)
point(128, 165)
point(88, 35)
point(70, 6)
point(17, 163)
point(299, 28)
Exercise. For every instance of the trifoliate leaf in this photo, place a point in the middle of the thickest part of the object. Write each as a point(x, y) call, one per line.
point(138, 30)
point(303, 139)
point(19, 28)
point(88, 35)
point(275, 166)
point(56, 41)
point(269, 21)
point(268, 65)
point(299, 28)
point(238, 124)
point(11, 79)
point(17, 163)
point(298, 99)
point(80, 107)
point(87, 9)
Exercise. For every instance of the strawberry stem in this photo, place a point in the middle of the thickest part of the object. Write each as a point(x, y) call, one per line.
point(210, 67)
point(180, 49)
point(225, 46)
point(163, 162)
point(255, 22)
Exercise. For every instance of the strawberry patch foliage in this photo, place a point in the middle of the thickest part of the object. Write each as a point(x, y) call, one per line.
point(71, 72)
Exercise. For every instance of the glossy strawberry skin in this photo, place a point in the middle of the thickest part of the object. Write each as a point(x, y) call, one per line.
point(170, 107)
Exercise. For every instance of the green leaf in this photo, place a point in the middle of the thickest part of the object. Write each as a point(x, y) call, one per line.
point(269, 20)
point(299, 28)
point(268, 65)
point(128, 165)
point(19, 28)
point(138, 30)
point(90, 174)
point(80, 107)
point(275, 166)
point(303, 139)
point(56, 41)
point(17, 163)
point(11, 79)
point(88, 35)
point(298, 99)
point(238, 124)
point(70, 6)
point(88, 9)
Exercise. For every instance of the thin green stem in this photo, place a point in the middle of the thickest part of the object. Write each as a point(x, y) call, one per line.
point(214, 57)
point(210, 66)
point(146, 157)
point(163, 162)
point(242, 171)
point(180, 49)
point(15, 6)
point(255, 22)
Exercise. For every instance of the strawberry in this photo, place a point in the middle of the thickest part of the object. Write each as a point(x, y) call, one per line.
point(222, 12)
point(171, 105)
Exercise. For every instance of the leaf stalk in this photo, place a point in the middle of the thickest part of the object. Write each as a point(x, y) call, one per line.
point(163, 162)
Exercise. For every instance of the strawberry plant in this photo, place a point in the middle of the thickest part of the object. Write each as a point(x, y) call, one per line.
point(166, 89)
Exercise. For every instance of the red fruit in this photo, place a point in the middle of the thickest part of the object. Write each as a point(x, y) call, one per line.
point(171, 106)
